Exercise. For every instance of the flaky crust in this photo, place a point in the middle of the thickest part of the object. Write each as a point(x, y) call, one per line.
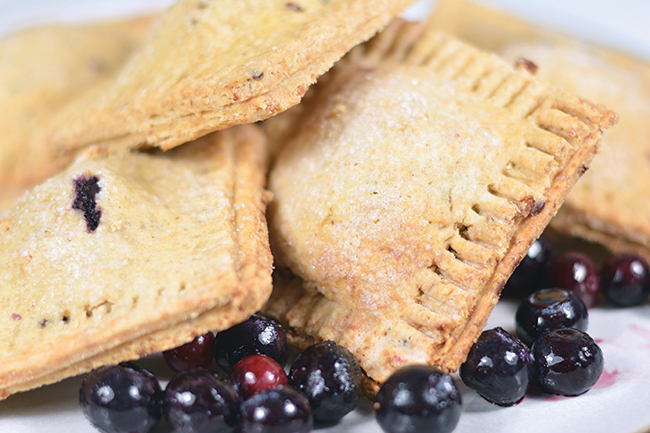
point(199, 72)
point(419, 179)
point(181, 248)
point(608, 205)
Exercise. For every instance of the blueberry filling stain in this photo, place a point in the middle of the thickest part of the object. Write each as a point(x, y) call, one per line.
point(86, 189)
point(293, 7)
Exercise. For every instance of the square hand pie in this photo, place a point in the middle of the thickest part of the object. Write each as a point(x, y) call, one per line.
point(41, 69)
point(210, 64)
point(609, 205)
point(422, 174)
point(122, 254)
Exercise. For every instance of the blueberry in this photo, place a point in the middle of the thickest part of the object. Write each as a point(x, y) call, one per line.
point(549, 309)
point(625, 280)
point(567, 361)
point(121, 399)
point(196, 401)
point(257, 335)
point(330, 377)
point(530, 275)
point(576, 273)
point(195, 354)
point(499, 367)
point(256, 373)
point(276, 410)
point(418, 398)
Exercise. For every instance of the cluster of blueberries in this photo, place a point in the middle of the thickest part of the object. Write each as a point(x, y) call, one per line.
point(252, 393)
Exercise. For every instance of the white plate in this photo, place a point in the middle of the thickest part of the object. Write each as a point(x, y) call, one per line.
point(619, 402)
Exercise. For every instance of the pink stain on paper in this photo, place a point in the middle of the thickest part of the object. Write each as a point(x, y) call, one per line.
point(641, 331)
point(606, 379)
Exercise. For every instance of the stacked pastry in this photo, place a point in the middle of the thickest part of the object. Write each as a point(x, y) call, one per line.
point(112, 253)
point(406, 186)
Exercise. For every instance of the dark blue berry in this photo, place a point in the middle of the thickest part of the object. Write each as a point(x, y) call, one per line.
point(121, 399)
point(330, 377)
point(530, 275)
point(418, 398)
point(567, 362)
point(548, 309)
point(196, 401)
point(625, 280)
point(499, 367)
point(258, 335)
point(576, 273)
point(276, 410)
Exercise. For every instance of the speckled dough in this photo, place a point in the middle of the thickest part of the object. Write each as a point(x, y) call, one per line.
point(609, 203)
point(208, 65)
point(181, 248)
point(41, 70)
point(420, 176)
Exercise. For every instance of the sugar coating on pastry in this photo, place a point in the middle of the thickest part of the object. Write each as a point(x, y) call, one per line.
point(208, 65)
point(124, 254)
point(606, 205)
point(420, 176)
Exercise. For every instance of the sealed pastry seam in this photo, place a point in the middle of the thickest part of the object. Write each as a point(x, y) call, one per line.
point(604, 207)
point(418, 290)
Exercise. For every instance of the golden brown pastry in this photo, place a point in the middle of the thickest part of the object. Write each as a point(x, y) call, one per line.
point(607, 205)
point(42, 69)
point(421, 174)
point(208, 65)
point(122, 255)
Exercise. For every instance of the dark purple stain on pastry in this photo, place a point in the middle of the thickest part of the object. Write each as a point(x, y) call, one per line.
point(16, 316)
point(293, 7)
point(258, 75)
point(538, 207)
point(86, 189)
point(582, 169)
point(526, 64)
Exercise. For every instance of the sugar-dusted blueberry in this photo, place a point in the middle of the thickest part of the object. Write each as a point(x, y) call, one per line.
point(194, 354)
point(418, 398)
point(499, 367)
point(276, 410)
point(331, 378)
point(255, 373)
point(121, 399)
point(196, 401)
point(567, 361)
point(257, 335)
point(548, 309)
point(577, 273)
point(625, 280)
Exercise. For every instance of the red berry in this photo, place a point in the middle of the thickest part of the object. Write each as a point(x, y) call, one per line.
point(576, 273)
point(195, 354)
point(254, 373)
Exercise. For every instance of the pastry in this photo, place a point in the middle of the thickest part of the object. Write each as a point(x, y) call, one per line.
point(607, 205)
point(208, 65)
point(41, 69)
point(124, 254)
point(418, 179)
